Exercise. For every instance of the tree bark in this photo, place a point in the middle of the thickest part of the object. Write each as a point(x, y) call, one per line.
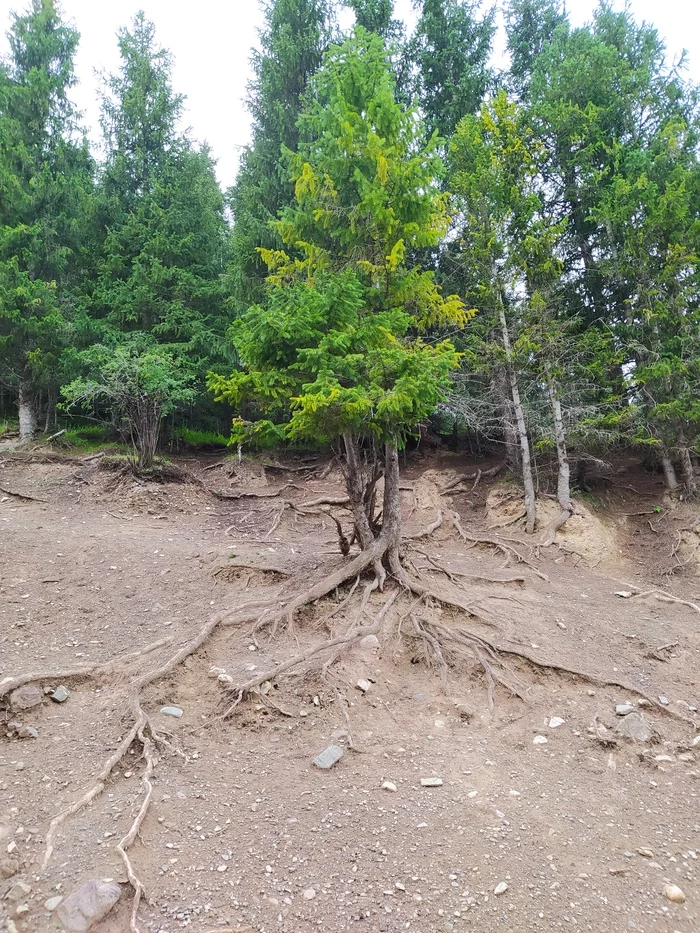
point(510, 432)
point(691, 486)
point(391, 509)
point(27, 411)
point(361, 496)
point(669, 471)
point(564, 476)
point(526, 462)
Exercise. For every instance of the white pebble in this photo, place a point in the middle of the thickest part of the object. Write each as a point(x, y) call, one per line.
point(388, 785)
point(500, 888)
point(539, 740)
point(309, 894)
point(674, 893)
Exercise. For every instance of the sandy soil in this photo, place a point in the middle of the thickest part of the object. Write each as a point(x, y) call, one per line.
point(244, 833)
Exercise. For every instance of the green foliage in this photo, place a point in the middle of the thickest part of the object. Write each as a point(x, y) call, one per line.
point(451, 49)
point(336, 348)
point(197, 438)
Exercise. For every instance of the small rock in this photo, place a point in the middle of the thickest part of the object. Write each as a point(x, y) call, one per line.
point(21, 910)
point(663, 758)
point(60, 694)
point(624, 594)
point(500, 888)
point(555, 722)
point(224, 678)
point(26, 697)
point(329, 757)
point(539, 740)
point(466, 714)
point(27, 732)
point(664, 701)
point(431, 782)
point(696, 741)
point(8, 867)
point(684, 756)
point(388, 785)
point(18, 892)
point(309, 894)
point(171, 711)
point(399, 886)
point(369, 641)
point(674, 893)
point(222, 868)
point(634, 726)
point(624, 709)
point(643, 702)
point(363, 685)
point(645, 853)
point(85, 907)
point(19, 766)
point(53, 903)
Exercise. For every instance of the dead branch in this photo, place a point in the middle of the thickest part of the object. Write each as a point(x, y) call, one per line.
point(550, 534)
point(428, 530)
point(325, 500)
point(467, 477)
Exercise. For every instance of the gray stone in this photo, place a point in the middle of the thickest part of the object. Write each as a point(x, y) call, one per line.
point(634, 726)
point(172, 711)
point(27, 732)
point(369, 641)
point(18, 892)
point(329, 757)
point(431, 782)
point(85, 907)
point(624, 709)
point(60, 694)
point(26, 697)
point(53, 903)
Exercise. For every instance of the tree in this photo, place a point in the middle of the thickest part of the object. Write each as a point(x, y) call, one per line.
point(377, 16)
point(45, 206)
point(335, 353)
point(140, 383)
point(530, 26)
point(163, 252)
point(451, 48)
point(295, 35)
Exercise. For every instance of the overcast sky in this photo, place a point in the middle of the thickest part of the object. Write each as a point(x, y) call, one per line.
point(210, 41)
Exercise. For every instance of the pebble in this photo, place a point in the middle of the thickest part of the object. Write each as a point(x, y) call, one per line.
point(309, 894)
point(624, 709)
point(224, 678)
point(388, 785)
point(555, 722)
point(431, 782)
point(222, 868)
point(60, 694)
point(363, 685)
point(696, 741)
point(21, 910)
point(635, 727)
point(369, 641)
point(329, 757)
point(27, 732)
point(674, 893)
point(645, 853)
point(500, 888)
point(539, 740)
point(18, 891)
point(664, 701)
point(171, 711)
point(53, 903)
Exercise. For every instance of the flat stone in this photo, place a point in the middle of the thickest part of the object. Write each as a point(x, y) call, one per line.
point(645, 853)
point(555, 722)
point(18, 892)
point(635, 727)
point(696, 741)
point(500, 888)
point(329, 757)
point(369, 641)
point(60, 694)
point(664, 701)
point(539, 740)
point(26, 697)
point(624, 709)
point(21, 910)
point(82, 909)
point(363, 685)
point(27, 732)
point(390, 786)
point(171, 711)
point(309, 894)
point(53, 903)
point(431, 782)
point(674, 893)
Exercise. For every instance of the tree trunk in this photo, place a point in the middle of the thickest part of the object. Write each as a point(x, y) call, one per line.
point(691, 486)
point(510, 431)
point(147, 426)
point(526, 463)
point(564, 477)
point(669, 471)
point(358, 487)
point(391, 509)
point(51, 419)
point(27, 411)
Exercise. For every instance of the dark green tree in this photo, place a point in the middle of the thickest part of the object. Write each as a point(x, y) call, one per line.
point(292, 42)
point(530, 26)
point(377, 16)
point(163, 253)
point(45, 205)
point(451, 49)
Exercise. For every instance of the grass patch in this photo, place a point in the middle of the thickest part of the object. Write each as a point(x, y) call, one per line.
point(196, 438)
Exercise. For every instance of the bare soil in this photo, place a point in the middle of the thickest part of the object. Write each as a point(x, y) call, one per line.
point(585, 829)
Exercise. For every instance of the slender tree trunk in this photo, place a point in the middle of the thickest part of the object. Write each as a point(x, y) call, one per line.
point(147, 428)
point(691, 486)
point(564, 476)
point(526, 462)
point(27, 411)
point(669, 471)
point(358, 490)
point(51, 418)
point(510, 431)
point(391, 509)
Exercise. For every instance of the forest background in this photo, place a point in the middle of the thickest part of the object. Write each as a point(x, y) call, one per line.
point(414, 232)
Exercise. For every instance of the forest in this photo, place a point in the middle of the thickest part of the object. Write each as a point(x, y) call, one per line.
point(417, 243)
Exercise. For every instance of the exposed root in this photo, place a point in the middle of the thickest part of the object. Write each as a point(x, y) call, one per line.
point(467, 477)
point(25, 497)
point(324, 500)
point(506, 549)
point(428, 530)
point(550, 534)
point(250, 493)
point(666, 598)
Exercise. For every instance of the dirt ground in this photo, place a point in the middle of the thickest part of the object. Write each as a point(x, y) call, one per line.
point(243, 833)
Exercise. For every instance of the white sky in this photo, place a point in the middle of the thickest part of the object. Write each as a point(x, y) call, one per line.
point(210, 41)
